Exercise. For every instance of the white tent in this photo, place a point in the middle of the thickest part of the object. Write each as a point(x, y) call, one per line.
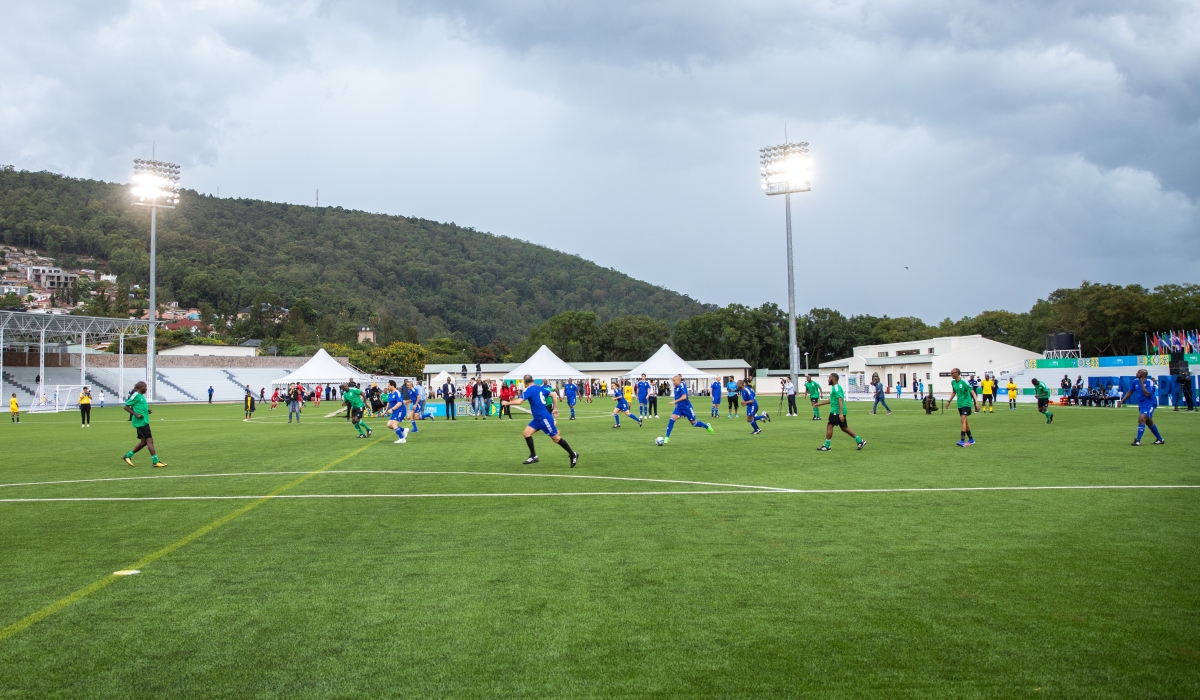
point(544, 365)
point(665, 364)
point(322, 369)
point(440, 379)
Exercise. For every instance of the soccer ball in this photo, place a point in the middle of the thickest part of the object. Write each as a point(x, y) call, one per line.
point(659, 441)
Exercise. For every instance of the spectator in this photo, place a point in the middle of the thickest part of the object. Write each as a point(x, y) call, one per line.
point(485, 394)
point(652, 400)
point(448, 392)
point(210, 393)
point(880, 394)
point(476, 398)
point(1184, 380)
point(294, 394)
point(1065, 385)
point(790, 390)
point(506, 394)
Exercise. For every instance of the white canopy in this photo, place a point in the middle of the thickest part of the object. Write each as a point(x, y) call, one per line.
point(321, 369)
point(665, 364)
point(440, 379)
point(544, 365)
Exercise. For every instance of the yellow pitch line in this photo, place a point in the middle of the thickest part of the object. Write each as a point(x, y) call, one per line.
point(141, 563)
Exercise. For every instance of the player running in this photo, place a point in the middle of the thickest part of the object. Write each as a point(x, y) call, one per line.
point(139, 414)
point(1011, 388)
point(1042, 392)
point(837, 415)
point(814, 395)
point(572, 392)
point(965, 399)
point(716, 397)
point(412, 395)
point(623, 407)
point(683, 409)
point(396, 411)
point(543, 419)
point(353, 396)
point(1147, 402)
point(750, 401)
point(643, 396)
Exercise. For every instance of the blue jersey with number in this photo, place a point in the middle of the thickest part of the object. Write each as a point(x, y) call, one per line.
point(681, 396)
point(643, 390)
point(747, 395)
point(536, 396)
point(716, 391)
point(1145, 402)
point(571, 391)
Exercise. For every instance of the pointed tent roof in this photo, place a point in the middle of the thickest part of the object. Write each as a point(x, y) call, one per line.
point(664, 364)
point(544, 364)
point(322, 368)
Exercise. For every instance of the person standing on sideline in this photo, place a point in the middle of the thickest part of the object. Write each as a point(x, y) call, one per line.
point(989, 398)
point(14, 409)
point(570, 391)
point(731, 392)
point(139, 415)
point(643, 396)
point(485, 396)
point(813, 389)
point(965, 400)
point(654, 401)
point(101, 398)
point(683, 408)
point(790, 390)
point(249, 403)
point(880, 395)
point(1143, 388)
point(448, 392)
point(837, 415)
point(1042, 392)
point(543, 419)
point(715, 387)
point(916, 387)
point(1011, 388)
point(85, 407)
point(293, 401)
point(210, 393)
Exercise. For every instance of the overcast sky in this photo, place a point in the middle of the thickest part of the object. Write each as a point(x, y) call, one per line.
point(1051, 142)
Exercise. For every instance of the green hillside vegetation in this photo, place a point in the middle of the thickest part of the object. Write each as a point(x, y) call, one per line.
point(412, 278)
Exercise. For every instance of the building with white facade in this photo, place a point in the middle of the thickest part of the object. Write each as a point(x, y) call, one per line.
point(929, 361)
point(49, 277)
point(210, 351)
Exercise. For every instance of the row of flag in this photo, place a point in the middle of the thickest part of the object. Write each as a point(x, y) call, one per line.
point(1175, 341)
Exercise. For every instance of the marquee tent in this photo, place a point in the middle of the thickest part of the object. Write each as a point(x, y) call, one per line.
point(665, 364)
point(544, 364)
point(440, 379)
point(322, 369)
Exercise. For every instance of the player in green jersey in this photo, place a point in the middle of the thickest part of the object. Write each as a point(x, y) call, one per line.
point(139, 415)
point(965, 399)
point(354, 399)
point(1042, 392)
point(837, 415)
point(814, 395)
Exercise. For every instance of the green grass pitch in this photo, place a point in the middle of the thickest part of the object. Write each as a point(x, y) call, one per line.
point(825, 589)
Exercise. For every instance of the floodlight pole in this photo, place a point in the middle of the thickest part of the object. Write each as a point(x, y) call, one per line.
point(150, 364)
point(793, 360)
point(784, 170)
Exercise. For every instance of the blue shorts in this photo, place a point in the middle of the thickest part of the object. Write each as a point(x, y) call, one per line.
point(643, 399)
point(399, 413)
point(685, 411)
point(570, 400)
point(1147, 411)
point(622, 405)
point(751, 408)
point(546, 425)
point(716, 399)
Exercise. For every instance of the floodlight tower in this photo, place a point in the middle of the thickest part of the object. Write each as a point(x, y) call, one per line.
point(785, 169)
point(155, 185)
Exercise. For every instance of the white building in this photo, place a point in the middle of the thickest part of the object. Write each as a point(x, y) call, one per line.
point(929, 361)
point(210, 351)
point(49, 277)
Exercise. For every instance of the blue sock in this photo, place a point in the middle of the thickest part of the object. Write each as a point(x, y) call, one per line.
point(400, 432)
point(1141, 431)
point(701, 425)
point(414, 424)
point(572, 411)
point(617, 418)
point(670, 426)
point(1154, 429)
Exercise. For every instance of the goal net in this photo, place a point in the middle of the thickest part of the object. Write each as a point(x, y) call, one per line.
point(55, 398)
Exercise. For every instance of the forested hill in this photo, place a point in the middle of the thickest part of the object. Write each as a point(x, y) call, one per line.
point(402, 272)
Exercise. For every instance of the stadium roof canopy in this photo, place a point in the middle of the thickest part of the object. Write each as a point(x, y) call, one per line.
point(544, 364)
point(322, 369)
point(23, 328)
point(664, 364)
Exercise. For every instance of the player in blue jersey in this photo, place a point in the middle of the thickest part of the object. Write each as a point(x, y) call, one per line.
point(543, 418)
point(624, 407)
point(643, 394)
point(750, 402)
point(412, 395)
point(396, 410)
point(683, 408)
point(1147, 400)
point(572, 392)
point(715, 387)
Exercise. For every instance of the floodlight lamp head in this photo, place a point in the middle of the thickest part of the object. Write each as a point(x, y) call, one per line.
point(156, 183)
point(785, 168)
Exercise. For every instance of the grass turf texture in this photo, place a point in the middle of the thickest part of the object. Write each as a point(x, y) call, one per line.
point(1055, 593)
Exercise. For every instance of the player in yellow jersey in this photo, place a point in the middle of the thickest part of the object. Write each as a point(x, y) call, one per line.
point(989, 394)
point(14, 409)
point(1012, 394)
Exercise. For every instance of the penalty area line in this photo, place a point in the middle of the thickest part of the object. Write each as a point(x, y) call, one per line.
point(61, 603)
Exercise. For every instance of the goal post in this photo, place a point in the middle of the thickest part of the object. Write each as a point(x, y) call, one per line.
point(55, 398)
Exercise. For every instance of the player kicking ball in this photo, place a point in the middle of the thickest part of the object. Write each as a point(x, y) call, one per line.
point(965, 399)
point(1042, 393)
point(543, 418)
point(623, 407)
point(1143, 388)
point(354, 399)
point(139, 414)
point(683, 409)
point(750, 401)
point(837, 415)
point(396, 412)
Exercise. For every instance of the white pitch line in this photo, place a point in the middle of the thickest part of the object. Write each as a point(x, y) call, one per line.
point(596, 493)
point(389, 471)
